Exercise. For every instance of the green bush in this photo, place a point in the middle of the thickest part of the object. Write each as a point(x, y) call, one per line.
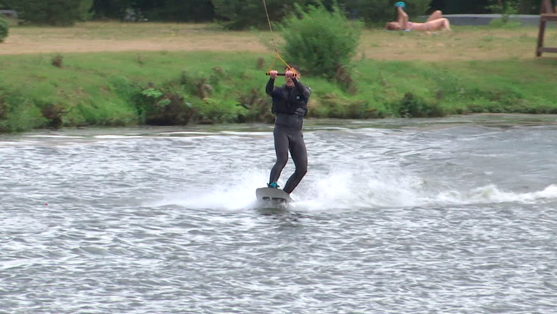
point(320, 41)
point(187, 99)
point(336, 106)
point(163, 106)
point(17, 113)
point(4, 28)
point(213, 111)
point(412, 106)
point(255, 106)
point(506, 9)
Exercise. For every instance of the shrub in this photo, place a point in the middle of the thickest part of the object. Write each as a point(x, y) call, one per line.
point(4, 28)
point(183, 100)
point(53, 113)
point(338, 107)
point(163, 107)
point(211, 111)
point(506, 9)
point(257, 107)
point(17, 113)
point(320, 41)
point(57, 60)
point(198, 86)
point(412, 106)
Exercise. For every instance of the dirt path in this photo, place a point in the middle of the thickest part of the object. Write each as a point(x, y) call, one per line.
point(20, 44)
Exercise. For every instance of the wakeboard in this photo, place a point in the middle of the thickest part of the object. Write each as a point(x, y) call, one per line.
point(272, 197)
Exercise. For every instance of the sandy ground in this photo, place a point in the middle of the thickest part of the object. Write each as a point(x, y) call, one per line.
point(18, 44)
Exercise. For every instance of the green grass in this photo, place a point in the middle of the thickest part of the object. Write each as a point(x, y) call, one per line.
point(11, 22)
point(114, 30)
point(464, 43)
point(106, 88)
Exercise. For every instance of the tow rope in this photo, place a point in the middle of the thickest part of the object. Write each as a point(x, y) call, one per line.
point(277, 55)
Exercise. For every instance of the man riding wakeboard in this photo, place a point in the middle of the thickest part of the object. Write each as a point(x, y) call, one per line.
point(290, 107)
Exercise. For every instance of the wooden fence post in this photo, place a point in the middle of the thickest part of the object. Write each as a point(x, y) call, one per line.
point(547, 14)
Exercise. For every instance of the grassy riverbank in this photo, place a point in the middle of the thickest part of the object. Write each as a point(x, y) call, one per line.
point(128, 86)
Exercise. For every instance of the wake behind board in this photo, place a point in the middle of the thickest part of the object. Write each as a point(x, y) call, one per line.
point(272, 197)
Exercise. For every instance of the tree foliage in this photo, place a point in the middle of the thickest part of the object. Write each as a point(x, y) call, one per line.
point(4, 29)
point(176, 10)
point(111, 9)
point(50, 12)
point(485, 6)
point(241, 14)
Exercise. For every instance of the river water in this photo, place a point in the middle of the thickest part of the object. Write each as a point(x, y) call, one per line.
point(453, 215)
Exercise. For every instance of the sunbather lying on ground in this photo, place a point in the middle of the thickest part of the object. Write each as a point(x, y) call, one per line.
point(435, 22)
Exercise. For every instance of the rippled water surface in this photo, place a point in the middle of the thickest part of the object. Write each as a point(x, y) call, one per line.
point(394, 216)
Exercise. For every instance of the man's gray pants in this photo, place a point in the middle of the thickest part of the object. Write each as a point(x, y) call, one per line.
point(289, 139)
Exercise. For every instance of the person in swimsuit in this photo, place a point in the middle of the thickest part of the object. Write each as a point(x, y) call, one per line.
point(290, 108)
point(435, 22)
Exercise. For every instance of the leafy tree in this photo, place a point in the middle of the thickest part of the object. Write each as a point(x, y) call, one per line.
point(85, 12)
point(49, 12)
point(374, 12)
point(371, 12)
point(482, 6)
point(4, 5)
point(240, 14)
point(111, 9)
point(156, 10)
point(176, 10)
point(505, 8)
point(4, 29)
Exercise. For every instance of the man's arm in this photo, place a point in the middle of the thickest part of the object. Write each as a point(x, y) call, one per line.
point(270, 88)
point(301, 88)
